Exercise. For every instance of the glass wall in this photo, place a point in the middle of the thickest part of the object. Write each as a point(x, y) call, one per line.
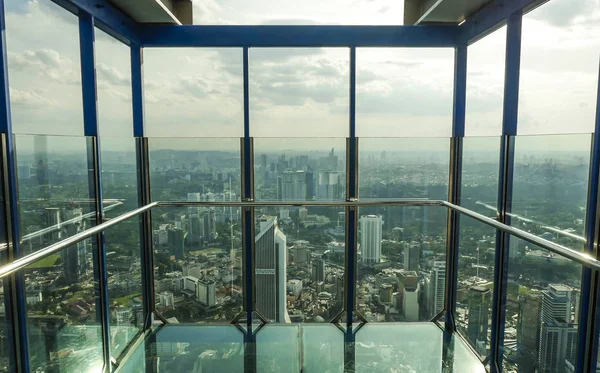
point(299, 92)
point(480, 172)
point(299, 259)
point(550, 187)
point(542, 310)
point(44, 69)
point(300, 169)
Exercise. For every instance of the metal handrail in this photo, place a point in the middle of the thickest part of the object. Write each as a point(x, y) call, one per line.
point(574, 255)
point(27, 260)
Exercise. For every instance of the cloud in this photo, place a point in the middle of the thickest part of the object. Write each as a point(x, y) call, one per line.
point(31, 99)
point(112, 75)
point(47, 62)
point(564, 13)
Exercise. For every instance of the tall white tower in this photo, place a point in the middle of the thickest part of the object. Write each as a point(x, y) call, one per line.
point(370, 238)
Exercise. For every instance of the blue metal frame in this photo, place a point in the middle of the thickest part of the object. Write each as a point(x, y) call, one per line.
point(90, 124)
point(15, 286)
point(505, 184)
point(299, 36)
point(454, 192)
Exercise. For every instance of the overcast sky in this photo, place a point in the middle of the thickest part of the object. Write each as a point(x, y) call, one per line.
point(304, 92)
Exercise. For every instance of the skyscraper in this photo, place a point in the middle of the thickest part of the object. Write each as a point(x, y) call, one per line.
point(270, 270)
point(176, 240)
point(74, 258)
point(557, 334)
point(318, 270)
point(370, 238)
point(206, 292)
point(410, 303)
point(438, 284)
point(528, 331)
point(412, 256)
point(53, 220)
point(294, 186)
point(477, 327)
point(328, 186)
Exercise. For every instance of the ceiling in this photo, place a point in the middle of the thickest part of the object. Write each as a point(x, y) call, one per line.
point(440, 11)
point(156, 11)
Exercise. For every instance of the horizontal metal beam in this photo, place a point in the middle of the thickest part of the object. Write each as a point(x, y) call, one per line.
point(383, 202)
point(298, 36)
point(59, 246)
point(574, 255)
point(106, 17)
point(493, 16)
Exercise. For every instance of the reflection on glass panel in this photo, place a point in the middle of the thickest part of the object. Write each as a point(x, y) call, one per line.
point(404, 168)
point(278, 349)
point(300, 169)
point(414, 347)
point(299, 259)
point(299, 92)
point(198, 261)
point(54, 189)
point(480, 171)
point(195, 169)
point(322, 349)
point(542, 310)
point(404, 92)
point(310, 12)
point(550, 186)
point(559, 68)
point(44, 68)
point(64, 334)
point(401, 263)
point(124, 283)
point(113, 77)
point(485, 85)
point(476, 256)
point(193, 92)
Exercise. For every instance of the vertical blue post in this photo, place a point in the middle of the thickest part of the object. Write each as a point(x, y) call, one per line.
point(144, 191)
point(589, 327)
point(90, 123)
point(505, 185)
point(458, 133)
point(247, 196)
point(14, 287)
point(351, 195)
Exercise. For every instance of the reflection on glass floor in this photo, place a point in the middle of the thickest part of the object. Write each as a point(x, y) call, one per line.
point(289, 348)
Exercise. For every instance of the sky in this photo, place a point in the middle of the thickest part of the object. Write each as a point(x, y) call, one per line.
point(304, 92)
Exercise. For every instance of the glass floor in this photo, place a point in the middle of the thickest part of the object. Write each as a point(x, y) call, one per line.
point(306, 348)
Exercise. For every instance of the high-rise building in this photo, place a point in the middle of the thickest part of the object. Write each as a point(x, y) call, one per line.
point(557, 333)
point(370, 238)
point(176, 242)
point(294, 287)
point(206, 292)
point(412, 257)
point(438, 287)
point(330, 162)
point(528, 331)
point(477, 326)
point(270, 270)
point(328, 186)
point(318, 270)
point(410, 303)
point(74, 259)
point(385, 293)
point(53, 220)
point(310, 185)
point(263, 160)
point(294, 186)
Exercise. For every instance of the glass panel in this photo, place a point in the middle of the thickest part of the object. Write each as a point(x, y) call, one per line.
point(195, 169)
point(299, 260)
point(123, 259)
point(418, 347)
point(6, 327)
point(278, 349)
point(559, 68)
point(476, 258)
point(299, 92)
point(300, 169)
point(119, 176)
point(404, 168)
point(113, 77)
point(401, 263)
point(198, 263)
point(404, 92)
point(64, 334)
point(550, 186)
point(44, 68)
point(480, 172)
point(54, 189)
point(193, 92)
point(310, 12)
point(542, 310)
point(485, 85)
point(322, 349)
